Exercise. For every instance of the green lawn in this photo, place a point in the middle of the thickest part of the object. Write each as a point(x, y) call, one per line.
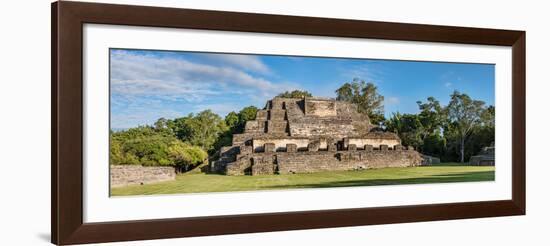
point(200, 182)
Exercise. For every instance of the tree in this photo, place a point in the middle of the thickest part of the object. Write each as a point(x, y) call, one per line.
point(464, 114)
point(431, 116)
point(365, 96)
point(488, 117)
point(180, 127)
point(161, 124)
point(407, 127)
point(482, 135)
point(149, 146)
point(116, 155)
point(186, 156)
point(232, 120)
point(295, 94)
point(394, 123)
point(235, 123)
point(203, 129)
point(246, 114)
point(434, 145)
point(432, 119)
point(142, 145)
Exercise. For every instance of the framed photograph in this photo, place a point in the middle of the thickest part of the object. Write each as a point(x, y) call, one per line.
point(175, 122)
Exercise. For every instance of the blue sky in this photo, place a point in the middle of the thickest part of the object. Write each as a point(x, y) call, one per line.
point(147, 85)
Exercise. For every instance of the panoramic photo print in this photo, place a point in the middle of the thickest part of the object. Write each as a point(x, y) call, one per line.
point(196, 122)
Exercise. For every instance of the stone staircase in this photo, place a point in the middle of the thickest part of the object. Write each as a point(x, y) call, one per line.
point(272, 121)
point(228, 154)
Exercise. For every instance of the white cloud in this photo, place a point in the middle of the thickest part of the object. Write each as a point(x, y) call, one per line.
point(448, 84)
point(137, 74)
point(222, 109)
point(136, 116)
point(145, 87)
point(246, 62)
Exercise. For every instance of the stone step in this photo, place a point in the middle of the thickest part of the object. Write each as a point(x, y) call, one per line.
point(277, 114)
point(229, 150)
point(277, 126)
point(262, 114)
point(227, 158)
point(255, 126)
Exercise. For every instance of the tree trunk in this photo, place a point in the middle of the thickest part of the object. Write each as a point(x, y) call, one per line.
point(462, 150)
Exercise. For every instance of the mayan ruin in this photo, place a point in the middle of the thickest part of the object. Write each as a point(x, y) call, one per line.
point(311, 135)
point(231, 122)
point(486, 157)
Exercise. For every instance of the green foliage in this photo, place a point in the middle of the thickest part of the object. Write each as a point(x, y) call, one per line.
point(365, 96)
point(141, 145)
point(488, 117)
point(153, 146)
point(453, 132)
point(161, 124)
point(225, 139)
point(431, 116)
point(464, 114)
point(237, 121)
point(202, 129)
point(185, 155)
point(295, 94)
point(206, 127)
point(116, 155)
point(232, 120)
point(433, 145)
point(235, 124)
point(481, 135)
point(246, 114)
point(408, 127)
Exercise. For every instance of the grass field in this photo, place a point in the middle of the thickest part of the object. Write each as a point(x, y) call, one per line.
point(200, 182)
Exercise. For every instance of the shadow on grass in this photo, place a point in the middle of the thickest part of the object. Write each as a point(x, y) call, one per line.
point(450, 164)
point(442, 178)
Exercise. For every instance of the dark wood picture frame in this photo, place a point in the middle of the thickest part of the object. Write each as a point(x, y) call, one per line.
point(67, 124)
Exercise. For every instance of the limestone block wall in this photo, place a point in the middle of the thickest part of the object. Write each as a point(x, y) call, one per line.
point(482, 160)
point(123, 175)
point(345, 160)
point(382, 159)
point(274, 126)
point(430, 160)
point(277, 114)
point(333, 128)
point(255, 126)
point(320, 107)
point(244, 138)
point(310, 162)
point(316, 161)
point(276, 103)
point(238, 167)
point(263, 164)
point(261, 114)
point(280, 143)
point(324, 142)
point(239, 139)
point(376, 143)
point(282, 103)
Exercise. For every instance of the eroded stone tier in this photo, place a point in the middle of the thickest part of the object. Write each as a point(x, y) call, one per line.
point(485, 158)
point(309, 135)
